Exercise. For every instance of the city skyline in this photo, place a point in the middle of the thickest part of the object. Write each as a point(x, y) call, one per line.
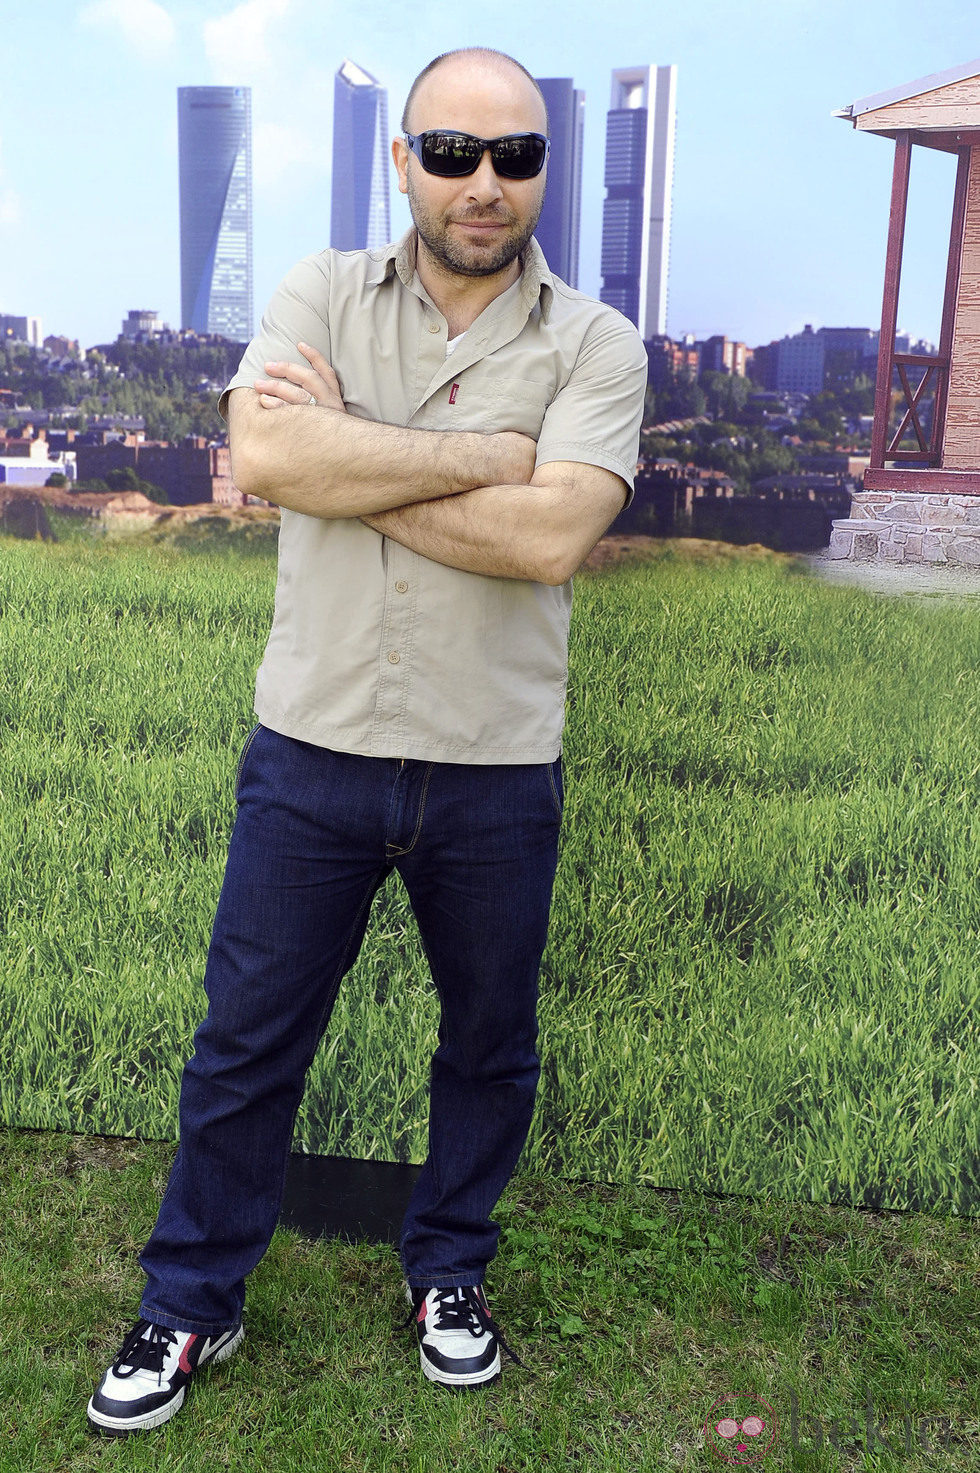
point(215, 171)
point(779, 209)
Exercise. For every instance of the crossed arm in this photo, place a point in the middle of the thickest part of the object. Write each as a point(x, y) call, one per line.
point(471, 501)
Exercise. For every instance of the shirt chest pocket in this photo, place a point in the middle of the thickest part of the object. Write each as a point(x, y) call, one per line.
point(501, 403)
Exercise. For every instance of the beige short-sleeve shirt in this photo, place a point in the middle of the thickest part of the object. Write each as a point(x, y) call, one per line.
point(376, 649)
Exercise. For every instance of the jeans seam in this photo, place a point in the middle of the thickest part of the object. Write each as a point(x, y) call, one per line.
point(398, 853)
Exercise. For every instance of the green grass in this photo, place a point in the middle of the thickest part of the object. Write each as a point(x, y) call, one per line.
point(635, 1310)
point(761, 974)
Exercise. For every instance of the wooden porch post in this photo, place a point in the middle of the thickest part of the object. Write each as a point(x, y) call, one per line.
point(950, 295)
point(889, 306)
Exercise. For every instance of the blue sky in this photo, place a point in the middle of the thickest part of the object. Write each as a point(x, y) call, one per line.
point(780, 210)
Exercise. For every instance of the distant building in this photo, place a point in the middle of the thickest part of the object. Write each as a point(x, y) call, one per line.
point(557, 231)
point(638, 179)
point(30, 460)
point(215, 147)
point(861, 341)
point(60, 347)
point(359, 213)
point(191, 473)
point(660, 361)
point(848, 352)
point(21, 329)
point(140, 324)
point(721, 355)
point(800, 363)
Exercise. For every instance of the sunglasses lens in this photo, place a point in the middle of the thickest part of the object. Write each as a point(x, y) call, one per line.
point(452, 155)
point(520, 157)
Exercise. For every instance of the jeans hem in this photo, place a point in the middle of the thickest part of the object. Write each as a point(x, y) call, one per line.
point(446, 1281)
point(184, 1326)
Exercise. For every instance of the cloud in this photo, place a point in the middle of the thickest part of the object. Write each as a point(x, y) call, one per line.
point(147, 27)
point(238, 43)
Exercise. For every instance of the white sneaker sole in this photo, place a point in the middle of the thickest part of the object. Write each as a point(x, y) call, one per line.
point(472, 1378)
point(119, 1426)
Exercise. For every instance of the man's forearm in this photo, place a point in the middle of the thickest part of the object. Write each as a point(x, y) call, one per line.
point(541, 532)
point(495, 530)
point(327, 463)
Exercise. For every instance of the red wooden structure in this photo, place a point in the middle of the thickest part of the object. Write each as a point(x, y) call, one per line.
point(940, 111)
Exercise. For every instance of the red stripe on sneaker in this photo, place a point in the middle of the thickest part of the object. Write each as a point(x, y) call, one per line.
point(421, 1313)
point(184, 1363)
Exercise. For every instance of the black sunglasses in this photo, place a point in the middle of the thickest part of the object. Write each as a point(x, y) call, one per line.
point(454, 155)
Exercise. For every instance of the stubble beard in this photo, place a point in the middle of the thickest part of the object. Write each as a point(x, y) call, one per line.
point(454, 256)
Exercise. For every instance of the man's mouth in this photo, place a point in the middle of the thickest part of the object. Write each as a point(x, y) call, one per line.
point(483, 222)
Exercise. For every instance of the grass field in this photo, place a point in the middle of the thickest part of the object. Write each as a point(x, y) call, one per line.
point(636, 1311)
point(761, 977)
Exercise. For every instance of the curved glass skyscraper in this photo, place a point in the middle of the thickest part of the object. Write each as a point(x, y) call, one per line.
point(359, 216)
point(215, 146)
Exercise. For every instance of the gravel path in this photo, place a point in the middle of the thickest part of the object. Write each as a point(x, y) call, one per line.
point(922, 580)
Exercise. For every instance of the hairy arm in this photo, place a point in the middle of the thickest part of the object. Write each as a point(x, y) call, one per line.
point(544, 530)
point(541, 532)
point(318, 459)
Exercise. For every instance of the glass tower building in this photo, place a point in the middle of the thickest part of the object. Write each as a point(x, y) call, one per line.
point(215, 149)
point(557, 231)
point(359, 215)
point(636, 212)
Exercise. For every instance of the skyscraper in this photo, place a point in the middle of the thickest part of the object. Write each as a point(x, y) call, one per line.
point(215, 149)
point(359, 215)
point(636, 212)
point(557, 230)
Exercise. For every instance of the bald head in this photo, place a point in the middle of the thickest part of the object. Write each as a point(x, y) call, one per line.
point(477, 62)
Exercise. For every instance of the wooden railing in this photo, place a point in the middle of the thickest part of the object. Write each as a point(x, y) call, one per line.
point(935, 372)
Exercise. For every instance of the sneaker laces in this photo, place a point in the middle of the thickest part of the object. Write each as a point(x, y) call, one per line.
point(144, 1349)
point(462, 1308)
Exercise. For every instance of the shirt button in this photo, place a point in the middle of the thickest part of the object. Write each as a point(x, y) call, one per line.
point(434, 327)
point(401, 586)
point(394, 657)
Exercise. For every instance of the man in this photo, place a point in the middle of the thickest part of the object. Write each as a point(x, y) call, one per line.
point(449, 430)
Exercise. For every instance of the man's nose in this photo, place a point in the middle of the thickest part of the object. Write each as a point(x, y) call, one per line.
point(484, 184)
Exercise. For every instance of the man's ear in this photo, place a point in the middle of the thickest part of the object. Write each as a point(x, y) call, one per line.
point(399, 152)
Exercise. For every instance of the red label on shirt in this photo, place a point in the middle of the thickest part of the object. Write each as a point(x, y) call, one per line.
point(453, 392)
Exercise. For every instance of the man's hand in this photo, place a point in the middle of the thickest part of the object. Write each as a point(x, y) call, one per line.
point(313, 383)
point(329, 463)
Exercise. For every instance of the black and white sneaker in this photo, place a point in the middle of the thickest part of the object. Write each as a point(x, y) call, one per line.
point(458, 1340)
point(147, 1381)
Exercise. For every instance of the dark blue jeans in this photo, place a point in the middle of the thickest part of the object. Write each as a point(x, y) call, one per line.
point(317, 834)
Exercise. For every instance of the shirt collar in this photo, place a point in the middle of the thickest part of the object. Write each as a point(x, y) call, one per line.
point(537, 283)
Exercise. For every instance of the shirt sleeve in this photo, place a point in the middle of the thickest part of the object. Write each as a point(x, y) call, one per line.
point(296, 313)
point(595, 417)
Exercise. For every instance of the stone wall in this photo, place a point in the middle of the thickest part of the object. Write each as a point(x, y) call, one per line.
point(909, 527)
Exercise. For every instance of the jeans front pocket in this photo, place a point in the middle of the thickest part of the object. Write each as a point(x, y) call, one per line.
point(246, 748)
point(557, 785)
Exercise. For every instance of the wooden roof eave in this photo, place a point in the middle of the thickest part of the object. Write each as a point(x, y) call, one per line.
point(943, 140)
